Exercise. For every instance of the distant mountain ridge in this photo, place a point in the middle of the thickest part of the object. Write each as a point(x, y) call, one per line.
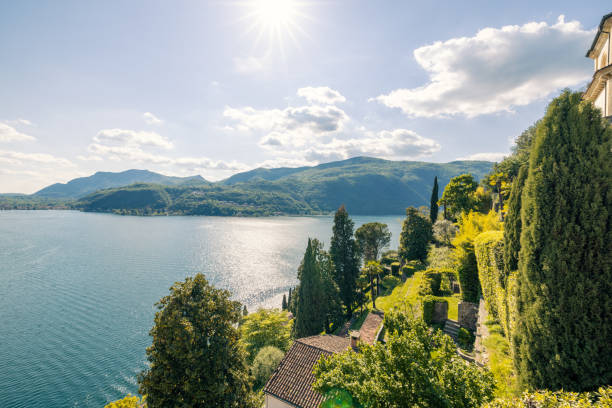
point(365, 185)
point(83, 186)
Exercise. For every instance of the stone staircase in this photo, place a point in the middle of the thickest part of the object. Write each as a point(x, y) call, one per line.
point(451, 327)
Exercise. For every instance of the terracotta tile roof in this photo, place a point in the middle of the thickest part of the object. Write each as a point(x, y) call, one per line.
point(292, 380)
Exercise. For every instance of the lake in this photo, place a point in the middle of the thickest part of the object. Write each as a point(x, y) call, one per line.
point(78, 290)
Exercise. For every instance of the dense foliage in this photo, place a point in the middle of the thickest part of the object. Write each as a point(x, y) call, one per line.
point(128, 401)
point(371, 239)
point(264, 364)
point(444, 231)
point(265, 327)
point(489, 250)
point(602, 398)
point(318, 305)
point(433, 203)
point(416, 368)
point(415, 236)
point(345, 257)
point(470, 226)
point(513, 224)
point(459, 196)
point(196, 359)
point(564, 322)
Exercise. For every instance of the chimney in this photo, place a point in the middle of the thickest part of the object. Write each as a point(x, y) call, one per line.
point(354, 339)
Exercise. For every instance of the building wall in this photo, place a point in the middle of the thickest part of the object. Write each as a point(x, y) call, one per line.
point(600, 101)
point(272, 402)
point(603, 59)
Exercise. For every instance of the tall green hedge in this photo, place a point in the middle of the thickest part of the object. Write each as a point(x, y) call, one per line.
point(428, 303)
point(563, 330)
point(489, 250)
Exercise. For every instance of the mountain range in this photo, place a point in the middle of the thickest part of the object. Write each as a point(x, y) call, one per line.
point(364, 185)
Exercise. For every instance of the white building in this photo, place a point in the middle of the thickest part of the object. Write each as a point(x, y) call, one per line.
point(599, 90)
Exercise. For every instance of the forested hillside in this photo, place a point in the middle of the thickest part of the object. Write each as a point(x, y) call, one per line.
point(364, 185)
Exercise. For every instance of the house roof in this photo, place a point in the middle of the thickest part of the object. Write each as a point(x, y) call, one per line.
point(292, 380)
point(599, 31)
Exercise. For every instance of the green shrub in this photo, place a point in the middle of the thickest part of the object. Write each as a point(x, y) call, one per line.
point(489, 250)
point(264, 364)
point(390, 281)
point(127, 402)
point(602, 398)
point(395, 268)
point(428, 303)
point(440, 257)
point(465, 338)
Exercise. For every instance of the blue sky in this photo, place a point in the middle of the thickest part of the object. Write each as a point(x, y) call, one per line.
point(213, 88)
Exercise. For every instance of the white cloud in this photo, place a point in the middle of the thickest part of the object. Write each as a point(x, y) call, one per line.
point(496, 70)
point(89, 158)
point(321, 95)
point(493, 157)
point(249, 65)
point(395, 144)
point(151, 119)
point(292, 126)
point(132, 138)
point(41, 158)
point(10, 134)
point(133, 147)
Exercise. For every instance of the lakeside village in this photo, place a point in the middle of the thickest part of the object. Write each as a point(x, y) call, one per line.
point(498, 295)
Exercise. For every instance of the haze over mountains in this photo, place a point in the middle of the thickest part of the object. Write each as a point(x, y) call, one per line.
point(365, 185)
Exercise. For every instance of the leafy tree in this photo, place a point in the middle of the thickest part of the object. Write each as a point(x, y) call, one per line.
point(458, 196)
point(415, 236)
point(444, 231)
point(470, 226)
point(266, 327)
point(345, 257)
point(512, 223)
point(416, 368)
point(196, 359)
point(265, 363)
point(564, 319)
point(373, 270)
point(371, 239)
point(284, 303)
point(127, 402)
point(433, 206)
point(318, 304)
point(245, 311)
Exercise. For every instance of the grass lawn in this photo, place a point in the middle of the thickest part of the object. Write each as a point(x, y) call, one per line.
point(500, 361)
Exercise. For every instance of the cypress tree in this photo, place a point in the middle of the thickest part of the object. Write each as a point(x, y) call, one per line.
point(564, 311)
point(284, 303)
point(512, 223)
point(310, 313)
point(415, 236)
point(433, 208)
point(345, 256)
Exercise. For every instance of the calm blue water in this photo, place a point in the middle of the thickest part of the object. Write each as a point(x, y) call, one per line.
point(77, 290)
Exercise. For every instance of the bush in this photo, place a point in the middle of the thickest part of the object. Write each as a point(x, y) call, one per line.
point(489, 250)
point(430, 283)
point(470, 226)
point(547, 399)
point(389, 282)
point(465, 338)
point(264, 364)
point(440, 257)
point(395, 268)
point(444, 231)
point(126, 402)
point(265, 327)
point(428, 303)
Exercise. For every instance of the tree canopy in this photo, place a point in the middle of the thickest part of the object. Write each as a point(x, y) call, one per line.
point(265, 327)
point(459, 196)
point(564, 317)
point(195, 358)
point(433, 205)
point(372, 238)
point(345, 258)
point(415, 236)
point(416, 368)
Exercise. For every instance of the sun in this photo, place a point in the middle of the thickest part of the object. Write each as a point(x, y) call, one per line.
point(275, 13)
point(277, 21)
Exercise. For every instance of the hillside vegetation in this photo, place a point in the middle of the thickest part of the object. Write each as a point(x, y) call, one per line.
point(364, 185)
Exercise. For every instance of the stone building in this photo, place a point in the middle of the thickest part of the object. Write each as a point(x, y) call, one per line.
point(599, 90)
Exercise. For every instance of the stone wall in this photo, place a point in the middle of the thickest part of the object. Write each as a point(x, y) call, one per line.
point(468, 315)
